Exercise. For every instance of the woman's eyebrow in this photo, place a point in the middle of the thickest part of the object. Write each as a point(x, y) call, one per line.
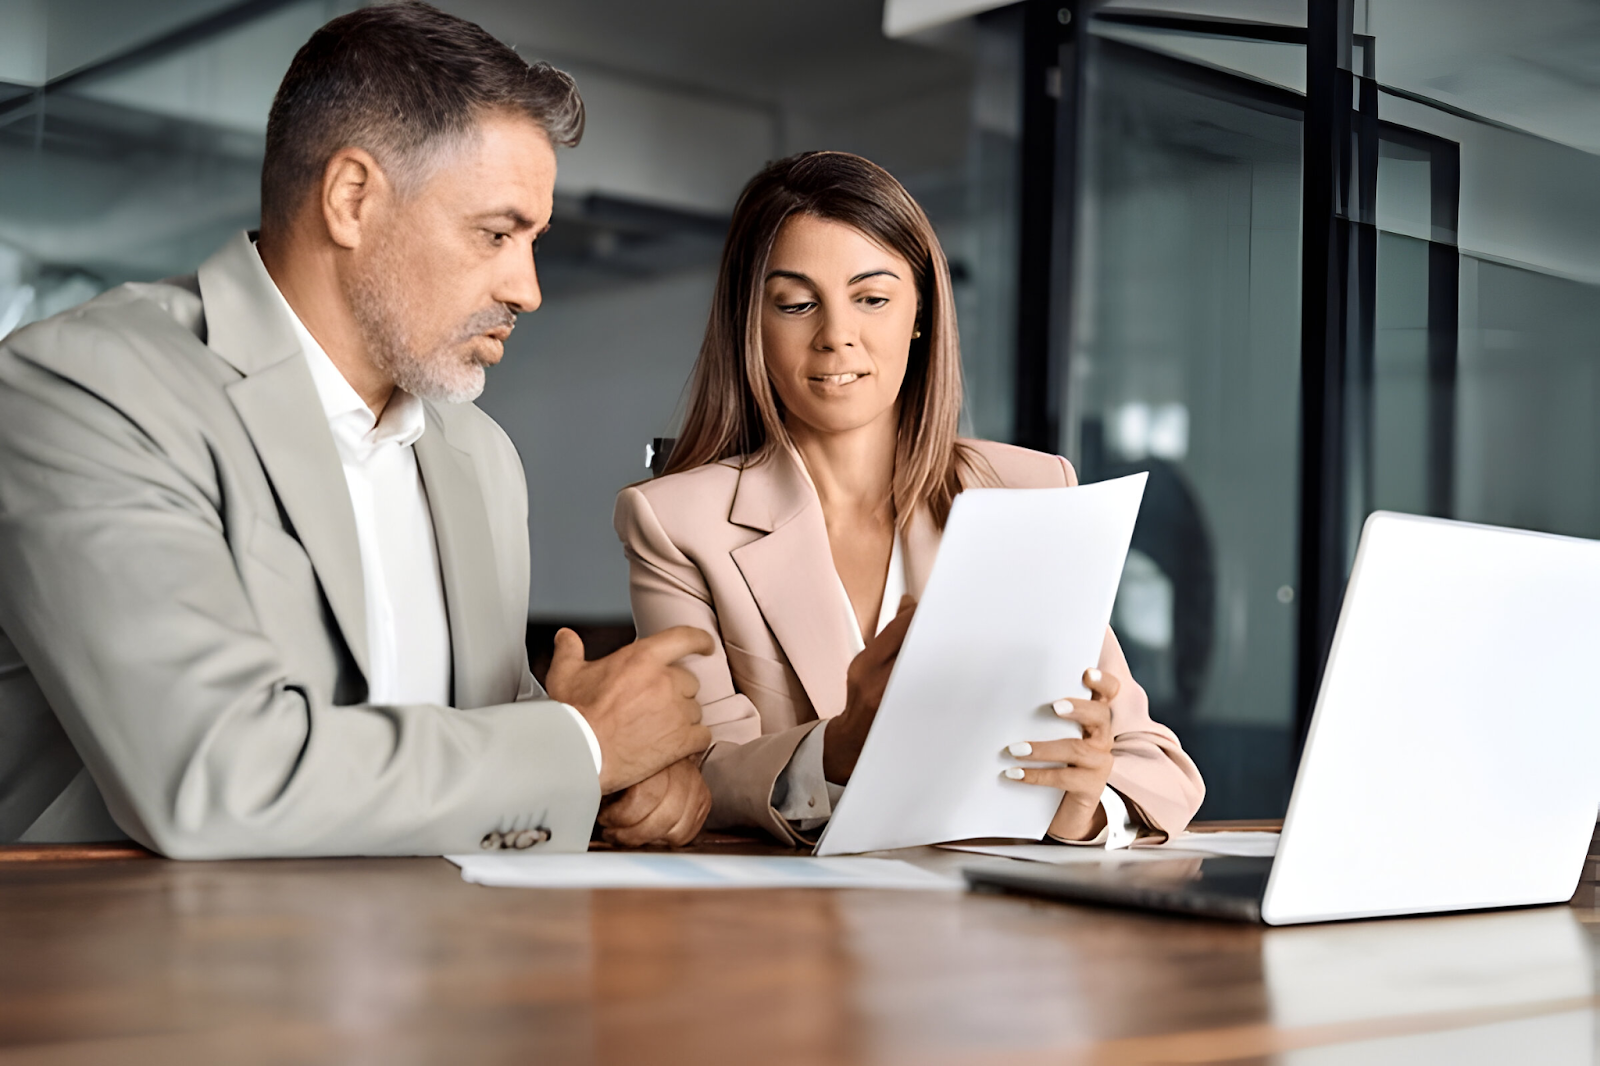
point(797, 276)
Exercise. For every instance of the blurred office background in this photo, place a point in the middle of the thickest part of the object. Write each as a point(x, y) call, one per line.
point(1122, 187)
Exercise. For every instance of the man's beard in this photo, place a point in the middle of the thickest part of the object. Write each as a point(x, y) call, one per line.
point(447, 372)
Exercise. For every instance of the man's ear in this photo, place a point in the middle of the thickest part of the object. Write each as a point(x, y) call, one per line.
point(353, 188)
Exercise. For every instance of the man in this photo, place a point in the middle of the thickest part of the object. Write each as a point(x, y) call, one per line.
point(263, 567)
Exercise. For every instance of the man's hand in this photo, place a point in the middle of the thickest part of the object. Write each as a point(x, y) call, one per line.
point(1085, 763)
point(640, 705)
point(666, 808)
point(864, 684)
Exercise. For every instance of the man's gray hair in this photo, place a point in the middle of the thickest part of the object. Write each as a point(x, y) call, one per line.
point(406, 82)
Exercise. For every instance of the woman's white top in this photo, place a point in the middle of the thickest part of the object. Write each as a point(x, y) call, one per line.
point(894, 587)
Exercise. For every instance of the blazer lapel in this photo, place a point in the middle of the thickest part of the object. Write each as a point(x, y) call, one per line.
point(466, 566)
point(791, 574)
point(281, 412)
point(278, 404)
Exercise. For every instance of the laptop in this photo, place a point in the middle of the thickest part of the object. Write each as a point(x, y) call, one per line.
point(1453, 760)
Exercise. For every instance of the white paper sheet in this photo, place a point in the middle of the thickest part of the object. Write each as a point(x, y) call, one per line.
point(1014, 611)
point(1185, 846)
point(647, 869)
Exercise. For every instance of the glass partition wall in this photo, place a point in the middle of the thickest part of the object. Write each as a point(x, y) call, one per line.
point(1177, 352)
point(1184, 362)
point(1486, 376)
point(1310, 260)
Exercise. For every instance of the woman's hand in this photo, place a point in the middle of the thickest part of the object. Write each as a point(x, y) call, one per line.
point(864, 684)
point(1085, 763)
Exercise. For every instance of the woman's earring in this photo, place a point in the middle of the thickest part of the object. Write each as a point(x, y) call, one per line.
point(916, 334)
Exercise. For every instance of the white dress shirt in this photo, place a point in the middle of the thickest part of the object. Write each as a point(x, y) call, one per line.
point(408, 628)
point(408, 631)
point(804, 796)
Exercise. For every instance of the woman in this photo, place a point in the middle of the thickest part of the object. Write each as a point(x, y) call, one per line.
point(807, 493)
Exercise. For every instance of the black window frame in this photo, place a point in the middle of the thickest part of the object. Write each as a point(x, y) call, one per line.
point(1342, 132)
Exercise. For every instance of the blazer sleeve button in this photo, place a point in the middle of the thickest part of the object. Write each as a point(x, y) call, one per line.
point(492, 841)
point(529, 837)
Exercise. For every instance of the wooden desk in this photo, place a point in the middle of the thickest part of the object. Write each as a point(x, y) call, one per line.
point(400, 961)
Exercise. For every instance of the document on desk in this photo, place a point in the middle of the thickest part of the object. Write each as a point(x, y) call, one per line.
point(1014, 611)
point(655, 869)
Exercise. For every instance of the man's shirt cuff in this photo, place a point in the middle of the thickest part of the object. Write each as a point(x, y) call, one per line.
point(588, 734)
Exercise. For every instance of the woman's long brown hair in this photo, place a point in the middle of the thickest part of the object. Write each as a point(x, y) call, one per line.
point(733, 410)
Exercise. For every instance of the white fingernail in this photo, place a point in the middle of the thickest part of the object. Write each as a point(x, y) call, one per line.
point(1015, 773)
point(1062, 708)
point(1021, 749)
point(1092, 674)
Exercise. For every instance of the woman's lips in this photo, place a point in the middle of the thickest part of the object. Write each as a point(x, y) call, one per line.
point(837, 379)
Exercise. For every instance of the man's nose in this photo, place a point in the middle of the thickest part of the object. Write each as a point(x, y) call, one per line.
point(519, 286)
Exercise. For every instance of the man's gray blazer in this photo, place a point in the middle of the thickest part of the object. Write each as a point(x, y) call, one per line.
point(181, 601)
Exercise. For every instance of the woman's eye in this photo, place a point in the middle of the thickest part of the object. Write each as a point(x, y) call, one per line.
point(875, 301)
point(795, 309)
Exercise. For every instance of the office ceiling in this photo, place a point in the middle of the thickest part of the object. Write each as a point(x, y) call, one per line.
point(43, 40)
point(817, 54)
point(1534, 64)
point(1538, 70)
point(825, 54)
point(169, 97)
point(152, 114)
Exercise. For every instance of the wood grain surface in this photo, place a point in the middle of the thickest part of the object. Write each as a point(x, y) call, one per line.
point(73, 852)
point(400, 961)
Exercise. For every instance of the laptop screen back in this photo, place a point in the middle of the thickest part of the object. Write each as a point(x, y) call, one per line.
point(1453, 761)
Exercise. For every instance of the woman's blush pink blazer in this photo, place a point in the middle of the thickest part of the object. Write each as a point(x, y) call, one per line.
point(742, 552)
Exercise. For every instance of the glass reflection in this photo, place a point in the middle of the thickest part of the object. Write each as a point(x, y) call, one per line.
point(1485, 390)
point(1185, 363)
